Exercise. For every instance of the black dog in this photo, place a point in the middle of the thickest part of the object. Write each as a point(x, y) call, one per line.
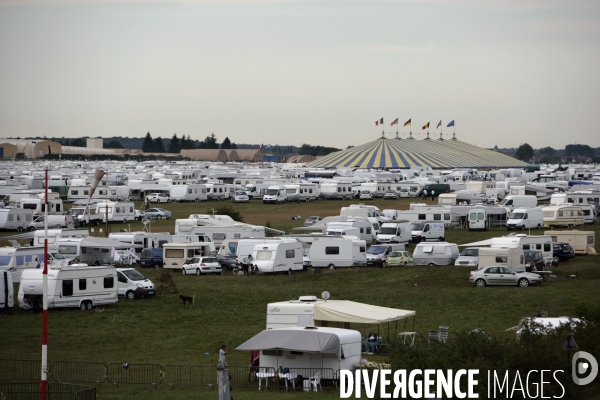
point(186, 298)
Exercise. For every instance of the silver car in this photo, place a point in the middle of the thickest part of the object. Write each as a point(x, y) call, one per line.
point(498, 275)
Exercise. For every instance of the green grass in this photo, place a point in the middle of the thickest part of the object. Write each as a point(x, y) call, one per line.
point(161, 330)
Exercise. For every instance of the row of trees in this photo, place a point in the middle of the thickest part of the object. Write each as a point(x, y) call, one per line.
point(176, 144)
point(572, 152)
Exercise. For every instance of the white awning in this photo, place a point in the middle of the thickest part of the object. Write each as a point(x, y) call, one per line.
point(350, 311)
point(104, 243)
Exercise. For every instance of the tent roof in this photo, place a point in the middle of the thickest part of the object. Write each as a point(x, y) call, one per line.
point(350, 311)
point(313, 340)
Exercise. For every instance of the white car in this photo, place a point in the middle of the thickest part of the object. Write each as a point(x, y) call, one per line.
point(366, 195)
point(139, 215)
point(158, 198)
point(241, 197)
point(201, 266)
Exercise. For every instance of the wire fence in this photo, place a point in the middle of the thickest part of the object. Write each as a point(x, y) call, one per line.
point(56, 391)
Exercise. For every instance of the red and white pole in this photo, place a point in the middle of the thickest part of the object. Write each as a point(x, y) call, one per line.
point(44, 383)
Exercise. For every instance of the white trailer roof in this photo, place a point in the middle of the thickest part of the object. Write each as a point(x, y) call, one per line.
point(350, 311)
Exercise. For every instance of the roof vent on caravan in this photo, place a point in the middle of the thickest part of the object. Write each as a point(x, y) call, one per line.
point(307, 298)
point(310, 327)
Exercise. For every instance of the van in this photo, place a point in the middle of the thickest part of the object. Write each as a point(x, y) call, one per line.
point(477, 219)
point(275, 194)
point(395, 232)
point(151, 258)
point(526, 218)
point(15, 219)
point(377, 253)
point(564, 215)
point(516, 201)
point(6, 291)
point(278, 257)
point(442, 253)
point(428, 232)
point(59, 221)
point(133, 285)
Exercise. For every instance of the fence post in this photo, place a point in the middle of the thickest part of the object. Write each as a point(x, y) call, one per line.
point(224, 386)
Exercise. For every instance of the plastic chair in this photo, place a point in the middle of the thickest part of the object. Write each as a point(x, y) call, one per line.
point(443, 334)
point(433, 336)
point(315, 382)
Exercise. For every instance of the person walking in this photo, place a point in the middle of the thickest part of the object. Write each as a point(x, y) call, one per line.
point(424, 194)
point(432, 194)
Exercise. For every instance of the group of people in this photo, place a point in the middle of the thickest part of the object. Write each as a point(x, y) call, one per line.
point(425, 194)
point(247, 267)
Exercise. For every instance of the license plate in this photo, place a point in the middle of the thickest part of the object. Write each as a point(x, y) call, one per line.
point(151, 292)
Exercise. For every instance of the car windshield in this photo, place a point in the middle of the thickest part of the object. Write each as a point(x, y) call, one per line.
point(470, 253)
point(387, 231)
point(134, 275)
point(517, 215)
point(272, 192)
point(58, 256)
point(240, 193)
point(418, 227)
point(377, 250)
point(209, 260)
point(365, 192)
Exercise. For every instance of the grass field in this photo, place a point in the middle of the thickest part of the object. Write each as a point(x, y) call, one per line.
point(162, 331)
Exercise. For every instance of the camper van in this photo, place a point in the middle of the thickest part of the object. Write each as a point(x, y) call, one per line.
point(583, 242)
point(58, 221)
point(275, 194)
point(477, 219)
point(6, 291)
point(256, 190)
point(342, 251)
point(177, 254)
point(133, 285)
point(277, 257)
point(506, 256)
point(427, 231)
point(441, 253)
point(15, 219)
point(564, 215)
point(396, 232)
point(116, 211)
point(377, 253)
point(512, 201)
point(78, 286)
point(526, 218)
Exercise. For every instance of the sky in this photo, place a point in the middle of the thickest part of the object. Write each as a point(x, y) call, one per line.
point(294, 72)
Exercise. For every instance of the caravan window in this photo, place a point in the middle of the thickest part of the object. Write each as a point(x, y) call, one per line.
point(332, 250)
point(219, 236)
point(427, 249)
point(290, 253)
point(174, 253)
point(526, 247)
point(547, 246)
point(263, 255)
point(437, 217)
point(29, 206)
point(67, 287)
point(82, 284)
point(501, 259)
point(75, 192)
point(86, 192)
point(109, 282)
point(441, 250)
point(362, 249)
point(590, 240)
point(67, 249)
point(5, 260)
point(446, 217)
point(422, 216)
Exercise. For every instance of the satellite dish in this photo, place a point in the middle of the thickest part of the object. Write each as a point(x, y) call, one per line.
point(325, 295)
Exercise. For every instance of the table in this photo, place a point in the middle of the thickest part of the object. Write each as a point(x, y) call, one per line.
point(410, 336)
point(266, 375)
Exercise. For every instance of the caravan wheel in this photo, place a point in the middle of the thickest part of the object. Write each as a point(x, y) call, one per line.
point(331, 267)
point(20, 229)
point(89, 305)
point(82, 306)
point(289, 271)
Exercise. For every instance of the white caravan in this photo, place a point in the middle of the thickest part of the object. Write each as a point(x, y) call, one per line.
point(277, 257)
point(395, 232)
point(243, 247)
point(116, 211)
point(526, 218)
point(336, 190)
point(339, 251)
point(441, 253)
point(422, 214)
point(90, 250)
point(507, 256)
point(78, 286)
point(38, 206)
point(216, 191)
point(189, 192)
point(364, 226)
point(177, 254)
point(218, 233)
point(17, 259)
point(565, 215)
point(527, 242)
point(15, 219)
point(140, 240)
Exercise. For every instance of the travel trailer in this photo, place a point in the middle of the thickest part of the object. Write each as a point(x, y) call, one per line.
point(15, 219)
point(236, 231)
point(58, 221)
point(140, 240)
point(37, 205)
point(583, 242)
point(115, 211)
point(364, 226)
point(422, 214)
point(277, 257)
point(78, 286)
point(506, 256)
point(564, 215)
point(440, 253)
point(526, 218)
point(339, 251)
point(90, 250)
point(188, 192)
point(177, 254)
point(17, 259)
point(526, 242)
point(336, 190)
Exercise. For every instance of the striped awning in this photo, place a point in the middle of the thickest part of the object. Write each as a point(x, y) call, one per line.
point(407, 153)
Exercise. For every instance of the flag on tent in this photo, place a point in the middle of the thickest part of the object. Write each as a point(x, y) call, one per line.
point(395, 122)
point(380, 122)
point(439, 123)
point(451, 123)
point(426, 126)
point(407, 122)
point(376, 123)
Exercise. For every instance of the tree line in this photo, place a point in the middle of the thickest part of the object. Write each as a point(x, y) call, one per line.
point(548, 155)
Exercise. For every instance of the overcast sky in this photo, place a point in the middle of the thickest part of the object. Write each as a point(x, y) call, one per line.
point(294, 72)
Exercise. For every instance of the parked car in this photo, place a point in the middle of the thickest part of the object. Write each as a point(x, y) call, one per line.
point(534, 261)
point(151, 257)
point(158, 213)
point(158, 198)
point(397, 258)
point(202, 265)
point(562, 251)
point(503, 276)
point(241, 197)
point(227, 262)
point(312, 220)
point(139, 215)
point(365, 195)
point(390, 194)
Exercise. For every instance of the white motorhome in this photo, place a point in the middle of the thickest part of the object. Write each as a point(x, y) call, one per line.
point(583, 242)
point(506, 256)
point(188, 192)
point(565, 215)
point(282, 256)
point(275, 194)
point(309, 191)
point(512, 201)
point(575, 198)
point(526, 218)
point(142, 240)
point(116, 211)
point(440, 253)
point(395, 232)
point(336, 190)
point(216, 191)
point(339, 251)
point(78, 286)
point(177, 254)
point(422, 214)
point(343, 231)
point(7, 295)
point(15, 219)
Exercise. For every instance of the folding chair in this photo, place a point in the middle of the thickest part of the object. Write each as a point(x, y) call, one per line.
point(315, 382)
point(443, 334)
point(433, 336)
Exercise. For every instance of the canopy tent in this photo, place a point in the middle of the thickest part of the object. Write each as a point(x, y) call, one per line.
point(318, 340)
point(104, 243)
point(350, 311)
point(487, 242)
